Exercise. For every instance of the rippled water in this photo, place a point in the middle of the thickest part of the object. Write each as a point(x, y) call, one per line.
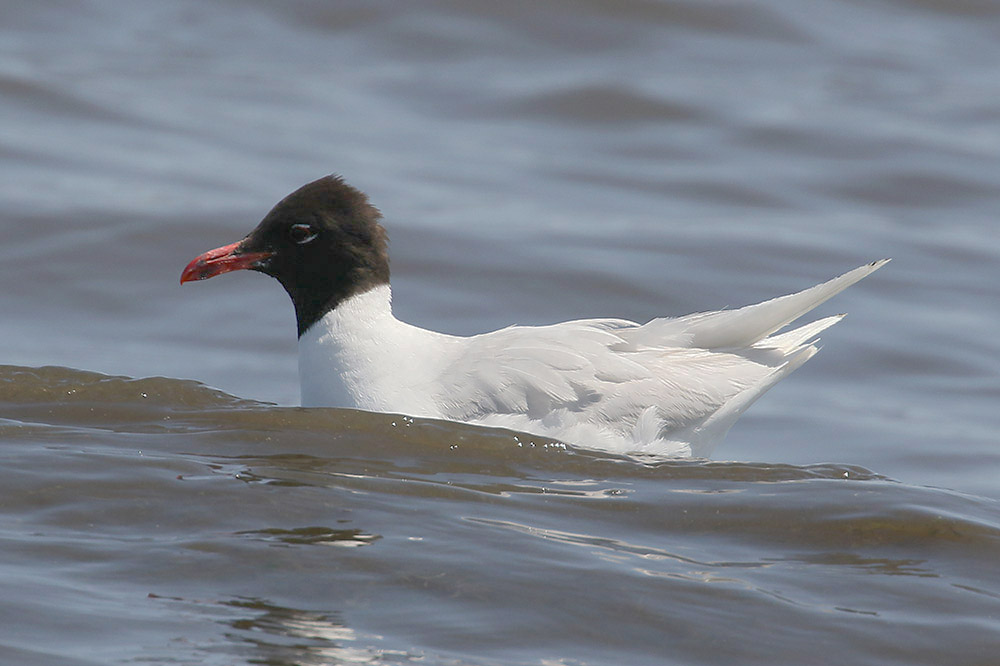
point(535, 162)
point(207, 529)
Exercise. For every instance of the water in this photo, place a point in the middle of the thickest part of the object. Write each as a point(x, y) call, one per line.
point(535, 162)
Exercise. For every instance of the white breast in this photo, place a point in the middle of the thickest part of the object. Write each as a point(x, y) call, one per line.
point(360, 356)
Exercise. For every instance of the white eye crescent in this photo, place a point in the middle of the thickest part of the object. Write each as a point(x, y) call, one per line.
point(302, 233)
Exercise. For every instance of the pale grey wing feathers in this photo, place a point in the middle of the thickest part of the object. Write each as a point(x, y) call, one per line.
point(684, 379)
point(528, 370)
point(574, 374)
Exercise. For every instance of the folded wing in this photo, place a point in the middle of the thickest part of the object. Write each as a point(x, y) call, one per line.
point(671, 386)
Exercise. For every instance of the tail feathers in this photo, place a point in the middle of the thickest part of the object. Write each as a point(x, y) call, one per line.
point(705, 436)
point(806, 334)
point(785, 353)
point(751, 324)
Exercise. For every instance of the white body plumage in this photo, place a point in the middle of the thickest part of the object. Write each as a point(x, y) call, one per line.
point(672, 386)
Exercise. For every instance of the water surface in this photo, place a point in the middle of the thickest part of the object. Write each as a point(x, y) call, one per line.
point(535, 162)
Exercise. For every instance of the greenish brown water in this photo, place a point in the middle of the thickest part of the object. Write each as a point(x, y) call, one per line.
point(535, 162)
point(160, 521)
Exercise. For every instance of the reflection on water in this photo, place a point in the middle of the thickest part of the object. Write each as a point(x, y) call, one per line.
point(313, 535)
point(261, 632)
point(286, 635)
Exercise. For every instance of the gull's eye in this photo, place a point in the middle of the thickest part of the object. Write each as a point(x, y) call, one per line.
point(302, 233)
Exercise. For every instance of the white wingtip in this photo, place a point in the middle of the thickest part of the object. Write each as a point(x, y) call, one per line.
point(747, 325)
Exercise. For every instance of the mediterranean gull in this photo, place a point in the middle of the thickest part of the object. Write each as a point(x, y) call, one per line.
point(670, 387)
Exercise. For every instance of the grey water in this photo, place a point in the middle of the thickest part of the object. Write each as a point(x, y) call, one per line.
point(163, 501)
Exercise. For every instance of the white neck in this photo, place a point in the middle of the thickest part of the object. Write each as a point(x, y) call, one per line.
point(360, 356)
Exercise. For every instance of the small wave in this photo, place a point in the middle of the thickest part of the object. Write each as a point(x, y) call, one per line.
point(229, 425)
